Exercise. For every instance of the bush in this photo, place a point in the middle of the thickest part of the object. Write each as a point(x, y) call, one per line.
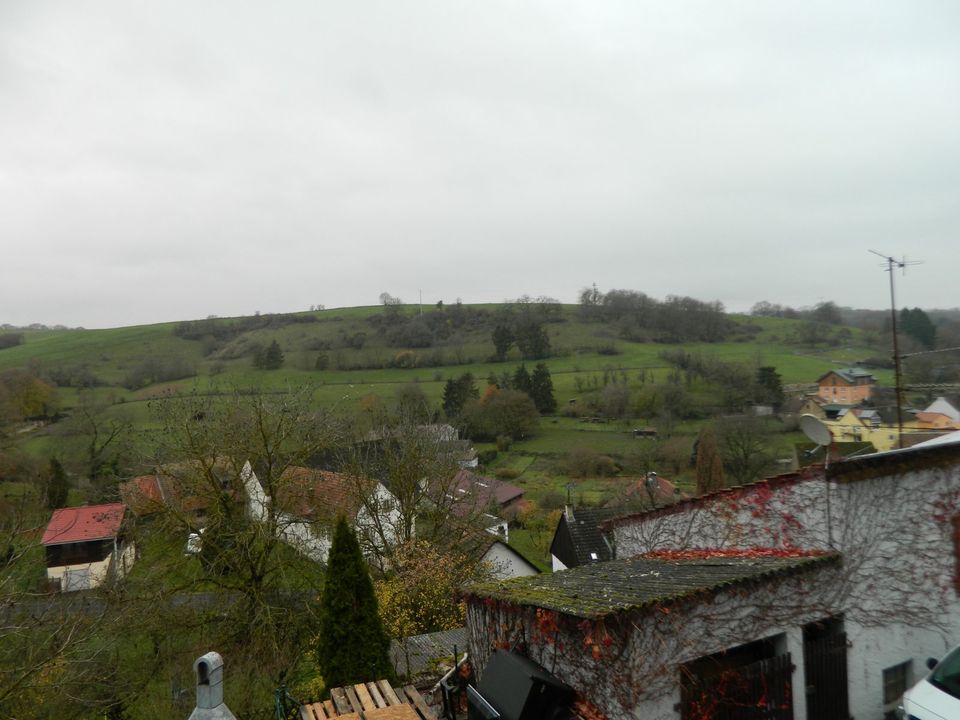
point(507, 473)
point(157, 369)
point(10, 340)
point(501, 412)
point(606, 467)
point(404, 359)
point(413, 334)
point(317, 344)
point(504, 442)
point(553, 500)
point(570, 410)
point(584, 462)
point(485, 457)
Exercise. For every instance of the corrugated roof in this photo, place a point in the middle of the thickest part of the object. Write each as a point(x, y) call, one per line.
point(602, 589)
point(425, 650)
point(84, 524)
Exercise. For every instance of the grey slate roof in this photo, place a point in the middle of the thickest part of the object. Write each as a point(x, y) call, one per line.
point(579, 541)
point(600, 589)
point(851, 375)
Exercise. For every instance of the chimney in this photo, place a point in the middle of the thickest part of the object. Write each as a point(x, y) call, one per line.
point(210, 705)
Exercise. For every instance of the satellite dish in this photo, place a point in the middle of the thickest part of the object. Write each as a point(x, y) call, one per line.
point(816, 430)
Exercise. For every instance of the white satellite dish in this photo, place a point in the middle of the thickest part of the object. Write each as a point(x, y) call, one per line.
point(814, 428)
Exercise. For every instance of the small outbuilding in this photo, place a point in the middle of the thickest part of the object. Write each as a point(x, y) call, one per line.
point(86, 546)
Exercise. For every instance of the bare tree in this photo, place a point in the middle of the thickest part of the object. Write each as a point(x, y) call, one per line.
point(418, 464)
point(99, 442)
point(226, 459)
point(743, 447)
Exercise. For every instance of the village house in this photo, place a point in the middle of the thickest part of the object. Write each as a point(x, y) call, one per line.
point(578, 538)
point(501, 559)
point(306, 507)
point(847, 386)
point(881, 428)
point(489, 501)
point(817, 594)
point(86, 546)
point(309, 501)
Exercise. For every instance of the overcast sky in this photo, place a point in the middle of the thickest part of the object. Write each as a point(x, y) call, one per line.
point(177, 159)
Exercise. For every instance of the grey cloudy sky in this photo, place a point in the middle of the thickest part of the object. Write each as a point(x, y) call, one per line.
point(176, 159)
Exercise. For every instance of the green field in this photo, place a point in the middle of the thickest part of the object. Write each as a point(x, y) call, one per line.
point(117, 369)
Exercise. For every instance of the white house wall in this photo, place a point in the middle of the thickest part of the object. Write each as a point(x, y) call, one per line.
point(771, 514)
point(507, 564)
point(896, 592)
point(310, 538)
point(307, 538)
point(387, 522)
point(96, 572)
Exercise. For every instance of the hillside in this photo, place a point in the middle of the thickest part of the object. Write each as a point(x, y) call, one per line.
point(362, 347)
point(355, 358)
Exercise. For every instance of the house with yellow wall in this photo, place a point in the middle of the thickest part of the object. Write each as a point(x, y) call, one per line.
point(858, 424)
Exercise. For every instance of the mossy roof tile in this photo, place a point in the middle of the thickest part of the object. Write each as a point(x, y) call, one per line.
point(619, 585)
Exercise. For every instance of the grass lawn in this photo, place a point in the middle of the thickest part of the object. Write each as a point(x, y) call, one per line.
point(560, 440)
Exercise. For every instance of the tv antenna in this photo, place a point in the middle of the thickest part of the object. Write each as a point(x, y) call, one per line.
point(891, 263)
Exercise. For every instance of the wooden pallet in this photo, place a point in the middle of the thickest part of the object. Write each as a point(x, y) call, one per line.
point(370, 701)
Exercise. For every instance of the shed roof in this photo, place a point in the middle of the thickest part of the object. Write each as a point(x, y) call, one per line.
point(423, 651)
point(84, 524)
point(601, 589)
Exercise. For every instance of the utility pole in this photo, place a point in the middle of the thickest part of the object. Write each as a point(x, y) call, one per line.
point(898, 379)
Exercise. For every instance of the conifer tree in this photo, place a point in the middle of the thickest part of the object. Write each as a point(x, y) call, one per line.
point(57, 486)
point(273, 359)
point(352, 646)
point(456, 393)
point(709, 462)
point(521, 380)
point(502, 337)
point(917, 324)
point(541, 390)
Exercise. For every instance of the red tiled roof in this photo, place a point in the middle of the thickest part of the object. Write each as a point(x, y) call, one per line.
point(486, 490)
point(143, 495)
point(149, 494)
point(84, 524)
point(317, 494)
point(666, 492)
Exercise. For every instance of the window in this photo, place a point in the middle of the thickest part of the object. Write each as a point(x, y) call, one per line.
point(896, 680)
